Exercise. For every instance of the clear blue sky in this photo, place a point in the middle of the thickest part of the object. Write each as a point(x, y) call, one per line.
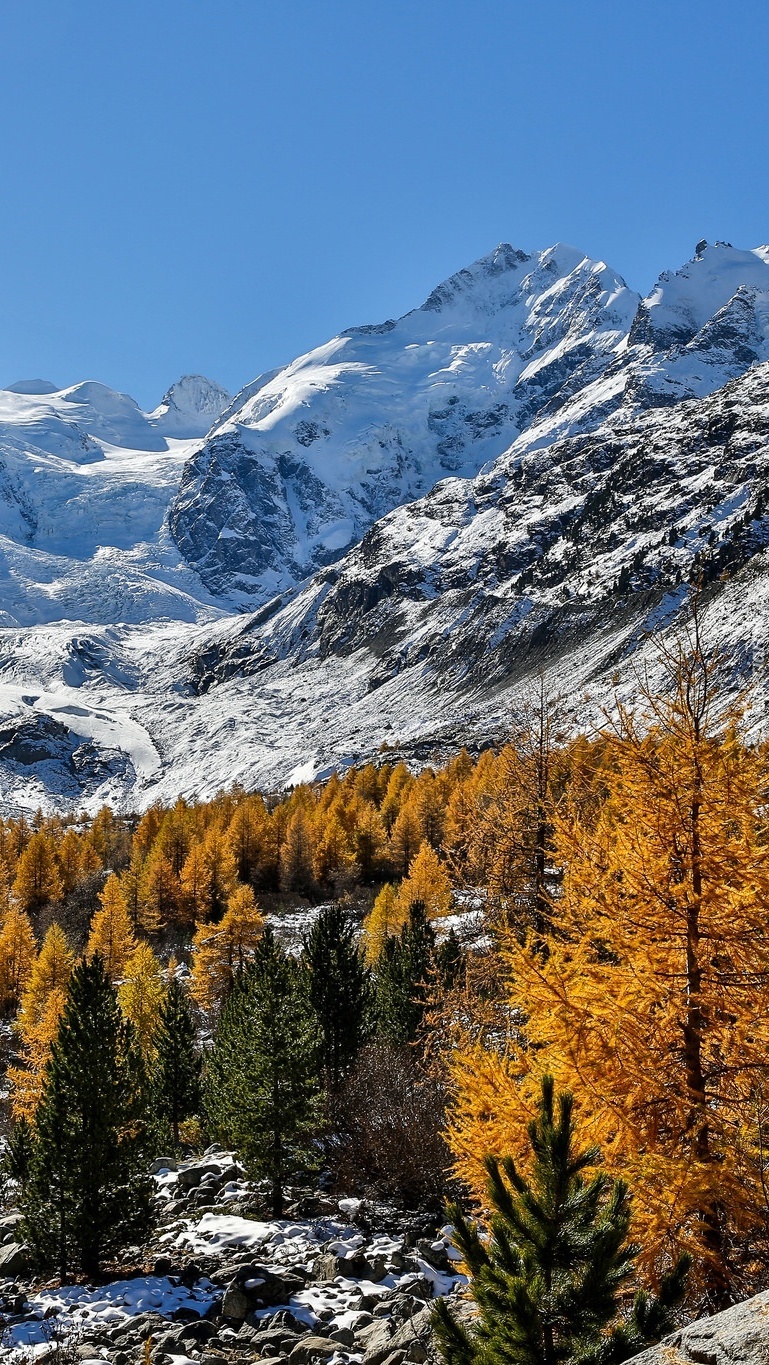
point(217, 185)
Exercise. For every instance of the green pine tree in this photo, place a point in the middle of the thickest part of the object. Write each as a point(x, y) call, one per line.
point(17, 1162)
point(547, 1281)
point(339, 989)
point(402, 974)
point(86, 1196)
point(261, 1092)
point(450, 960)
point(178, 1065)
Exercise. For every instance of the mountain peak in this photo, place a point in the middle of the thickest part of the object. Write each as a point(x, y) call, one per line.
point(682, 301)
point(190, 406)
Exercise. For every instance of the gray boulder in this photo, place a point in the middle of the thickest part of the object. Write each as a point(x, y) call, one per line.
point(313, 1348)
point(14, 1261)
point(255, 1287)
point(738, 1336)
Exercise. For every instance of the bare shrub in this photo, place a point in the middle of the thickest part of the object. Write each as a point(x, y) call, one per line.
point(387, 1129)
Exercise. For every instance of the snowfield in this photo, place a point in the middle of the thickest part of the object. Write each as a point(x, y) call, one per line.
point(383, 543)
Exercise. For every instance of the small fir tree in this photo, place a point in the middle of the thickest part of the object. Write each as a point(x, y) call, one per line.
point(402, 974)
point(339, 989)
point(261, 1092)
point(450, 961)
point(86, 1196)
point(548, 1279)
point(178, 1064)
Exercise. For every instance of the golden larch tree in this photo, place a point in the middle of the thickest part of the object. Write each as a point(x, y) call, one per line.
point(50, 972)
point(37, 1036)
point(221, 950)
point(296, 855)
point(159, 891)
point(18, 951)
point(650, 1001)
point(140, 994)
point(381, 922)
point(428, 882)
point(37, 876)
point(405, 838)
point(111, 933)
point(369, 841)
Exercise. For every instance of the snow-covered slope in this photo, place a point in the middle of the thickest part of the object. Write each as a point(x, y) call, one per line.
point(86, 478)
point(523, 474)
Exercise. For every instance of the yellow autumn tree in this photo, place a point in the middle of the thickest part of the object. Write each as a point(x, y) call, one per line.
point(296, 855)
point(38, 1036)
point(369, 841)
point(381, 922)
point(141, 994)
point(405, 838)
point(68, 859)
point(221, 950)
point(50, 972)
point(427, 882)
point(18, 951)
point(650, 1001)
point(220, 872)
point(332, 856)
point(37, 876)
point(111, 933)
point(159, 891)
point(248, 836)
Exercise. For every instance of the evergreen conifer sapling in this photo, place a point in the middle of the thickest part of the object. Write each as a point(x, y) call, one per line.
point(339, 989)
point(261, 1089)
point(86, 1196)
point(548, 1280)
point(178, 1064)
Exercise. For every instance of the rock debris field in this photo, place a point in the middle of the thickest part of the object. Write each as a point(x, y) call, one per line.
point(335, 1280)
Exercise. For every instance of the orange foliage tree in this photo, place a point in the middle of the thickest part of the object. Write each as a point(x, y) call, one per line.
point(111, 933)
point(221, 950)
point(650, 997)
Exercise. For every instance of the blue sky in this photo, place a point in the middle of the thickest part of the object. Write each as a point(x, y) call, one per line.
point(217, 185)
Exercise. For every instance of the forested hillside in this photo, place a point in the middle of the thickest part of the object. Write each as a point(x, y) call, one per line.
point(390, 982)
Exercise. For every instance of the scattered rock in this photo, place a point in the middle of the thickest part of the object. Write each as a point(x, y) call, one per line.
point(313, 1348)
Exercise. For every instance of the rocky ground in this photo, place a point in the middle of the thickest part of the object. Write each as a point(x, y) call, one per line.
point(335, 1280)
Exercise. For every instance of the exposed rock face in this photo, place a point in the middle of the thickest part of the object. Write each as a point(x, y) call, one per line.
point(309, 457)
point(738, 1336)
point(312, 455)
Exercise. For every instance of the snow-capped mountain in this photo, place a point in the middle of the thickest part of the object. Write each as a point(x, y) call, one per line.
point(190, 407)
point(521, 475)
